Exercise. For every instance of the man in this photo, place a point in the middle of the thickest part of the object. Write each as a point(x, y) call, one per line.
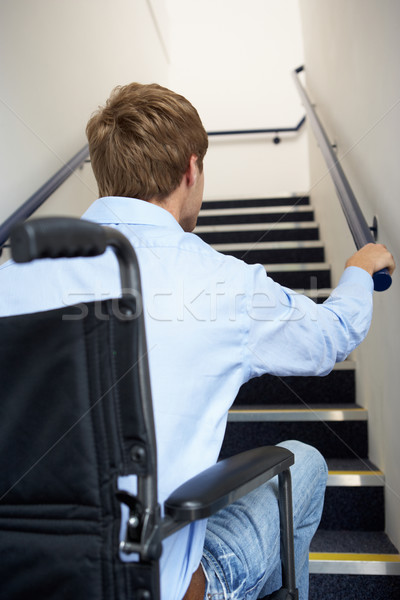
point(212, 322)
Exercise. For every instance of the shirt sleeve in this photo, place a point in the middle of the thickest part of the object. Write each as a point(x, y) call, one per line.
point(289, 334)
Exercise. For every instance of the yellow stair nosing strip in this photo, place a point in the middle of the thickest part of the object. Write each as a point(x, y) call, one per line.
point(343, 556)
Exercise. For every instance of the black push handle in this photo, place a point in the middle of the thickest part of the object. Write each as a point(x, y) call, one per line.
point(56, 237)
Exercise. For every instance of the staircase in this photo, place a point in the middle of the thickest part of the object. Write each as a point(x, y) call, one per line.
point(351, 557)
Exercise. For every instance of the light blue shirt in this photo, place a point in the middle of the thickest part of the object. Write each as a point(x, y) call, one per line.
point(212, 322)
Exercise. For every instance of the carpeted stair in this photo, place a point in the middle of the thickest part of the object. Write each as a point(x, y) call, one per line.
point(351, 557)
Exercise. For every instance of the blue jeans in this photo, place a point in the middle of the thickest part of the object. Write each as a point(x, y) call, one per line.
point(241, 557)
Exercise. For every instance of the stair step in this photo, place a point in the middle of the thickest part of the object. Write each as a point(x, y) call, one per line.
point(354, 563)
point(275, 252)
point(347, 465)
point(354, 473)
point(352, 485)
point(302, 199)
point(254, 232)
point(270, 389)
point(296, 413)
point(354, 587)
point(364, 542)
point(270, 214)
point(333, 438)
point(353, 552)
point(348, 565)
point(344, 507)
point(301, 275)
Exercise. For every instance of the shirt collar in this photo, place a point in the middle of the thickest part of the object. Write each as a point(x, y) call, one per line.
point(113, 210)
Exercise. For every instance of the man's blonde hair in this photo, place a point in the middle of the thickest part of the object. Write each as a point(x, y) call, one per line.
point(141, 141)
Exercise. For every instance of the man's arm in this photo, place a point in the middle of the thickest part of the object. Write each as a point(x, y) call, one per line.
point(292, 335)
point(372, 258)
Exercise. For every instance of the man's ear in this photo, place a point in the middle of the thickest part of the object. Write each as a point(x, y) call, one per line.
point(192, 171)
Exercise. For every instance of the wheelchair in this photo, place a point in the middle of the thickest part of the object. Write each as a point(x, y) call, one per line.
point(75, 415)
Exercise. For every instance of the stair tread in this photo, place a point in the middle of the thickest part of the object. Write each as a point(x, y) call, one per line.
point(250, 246)
point(264, 227)
point(353, 552)
point(278, 198)
point(254, 231)
point(294, 412)
point(355, 564)
point(323, 266)
point(252, 210)
point(362, 542)
point(300, 389)
point(351, 464)
point(334, 439)
point(354, 472)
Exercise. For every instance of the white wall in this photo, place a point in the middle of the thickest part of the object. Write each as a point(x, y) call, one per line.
point(233, 60)
point(61, 58)
point(351, 59)
point(59, 61)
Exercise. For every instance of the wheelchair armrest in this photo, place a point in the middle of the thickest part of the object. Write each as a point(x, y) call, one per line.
point(225, 482)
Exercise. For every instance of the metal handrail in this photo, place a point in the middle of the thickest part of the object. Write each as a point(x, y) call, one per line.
point(40, 196)
point(275, 130)
point(358, 226)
